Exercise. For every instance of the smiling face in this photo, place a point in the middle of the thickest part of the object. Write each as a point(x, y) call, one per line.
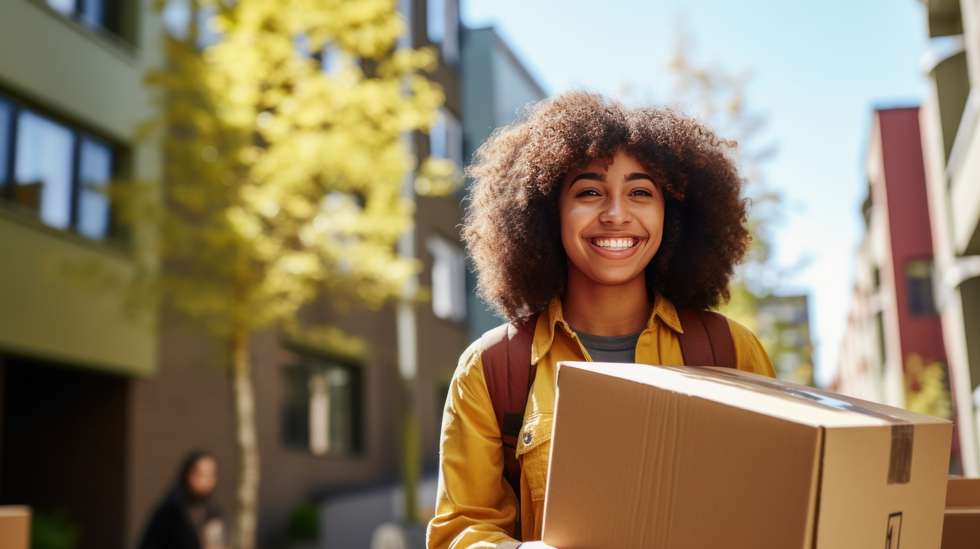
point(612, 218)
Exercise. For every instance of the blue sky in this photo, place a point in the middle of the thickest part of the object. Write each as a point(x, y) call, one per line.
point(819, 69)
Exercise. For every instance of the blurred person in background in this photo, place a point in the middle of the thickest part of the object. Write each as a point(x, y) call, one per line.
point(599, 232)
point(186, 518)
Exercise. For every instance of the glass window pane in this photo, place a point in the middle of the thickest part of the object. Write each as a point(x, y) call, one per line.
point(93, 13)
point(333, 59)
point(43, 173)
point(439, 137)
point(176, 16)
point(6, 112)
point(436, 20)
point(339, 419)
point(95, 170)
point(66, 7)
point(206, 33)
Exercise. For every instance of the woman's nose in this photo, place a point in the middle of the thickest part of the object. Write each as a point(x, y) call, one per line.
point(614, 212)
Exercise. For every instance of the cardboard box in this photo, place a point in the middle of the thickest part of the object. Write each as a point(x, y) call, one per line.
point(695, 458)
point(15, 527)
point(961, 526)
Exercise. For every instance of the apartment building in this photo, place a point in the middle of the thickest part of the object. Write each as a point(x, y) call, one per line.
point(949, 119)
point(496, 88)
point(98, 403)
point(892, 318)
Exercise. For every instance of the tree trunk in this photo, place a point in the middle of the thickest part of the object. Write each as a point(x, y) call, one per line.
point(411, 458)
point(248, 449)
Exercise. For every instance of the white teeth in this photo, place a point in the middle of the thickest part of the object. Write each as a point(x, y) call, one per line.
point(615, 243)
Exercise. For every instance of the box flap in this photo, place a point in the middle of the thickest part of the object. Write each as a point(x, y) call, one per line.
point(963, 492)
point(759, 394)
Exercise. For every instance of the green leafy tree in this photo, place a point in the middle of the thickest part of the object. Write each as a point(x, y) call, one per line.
point(284, 182)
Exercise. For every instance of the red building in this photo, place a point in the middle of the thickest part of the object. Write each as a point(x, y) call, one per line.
point(893, 324)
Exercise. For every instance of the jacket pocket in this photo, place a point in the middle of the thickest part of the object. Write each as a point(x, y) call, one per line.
point(533, 448)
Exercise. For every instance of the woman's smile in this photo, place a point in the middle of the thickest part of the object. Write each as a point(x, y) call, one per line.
point(616, 247)
point(612, 215)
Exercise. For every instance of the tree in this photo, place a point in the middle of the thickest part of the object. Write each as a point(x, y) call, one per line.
point(926, 387)
point(718, 97)
point(284, 182)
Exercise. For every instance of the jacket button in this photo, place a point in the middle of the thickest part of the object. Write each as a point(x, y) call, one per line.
point(528, 437)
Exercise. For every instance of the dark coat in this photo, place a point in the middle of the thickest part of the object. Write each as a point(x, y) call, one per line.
point(170, 526)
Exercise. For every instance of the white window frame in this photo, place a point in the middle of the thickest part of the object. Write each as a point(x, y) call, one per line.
point(446, 138)
point(448, 279)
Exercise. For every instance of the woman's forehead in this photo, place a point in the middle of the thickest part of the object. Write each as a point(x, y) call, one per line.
point(603, 164)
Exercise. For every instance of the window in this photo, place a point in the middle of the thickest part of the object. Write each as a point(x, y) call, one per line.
point(918, 279)
point(176, 17)
point(442, 27)
point(880, 332)
point(405, 9)
point(435, 26)
point(103, 15)
point(446, 138)
point(95, 170)
point(333, 59)
point(43, 168)
point(6, 139)
point(322, 410)
point(55, 171)
point(448, 279)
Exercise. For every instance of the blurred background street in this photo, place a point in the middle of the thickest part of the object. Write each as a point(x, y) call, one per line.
point(232, 226)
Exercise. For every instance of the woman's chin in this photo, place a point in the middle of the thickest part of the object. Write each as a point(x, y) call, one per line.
point(613, 279)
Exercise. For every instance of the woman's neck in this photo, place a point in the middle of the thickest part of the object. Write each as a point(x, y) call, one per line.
point(603, 310)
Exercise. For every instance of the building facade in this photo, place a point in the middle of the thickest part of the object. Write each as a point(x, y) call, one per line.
point(949, 120)
point(893, 322)
point(496, 88)
point(98, 403)
point(71, 96)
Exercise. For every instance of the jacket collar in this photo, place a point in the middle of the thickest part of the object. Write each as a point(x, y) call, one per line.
point(552, 319)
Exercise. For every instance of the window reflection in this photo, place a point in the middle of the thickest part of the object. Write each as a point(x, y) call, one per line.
point(43, 169)
point(96, 14)
point(93, 13)
point(66, 7)
point(95, 170)
point(55, 170)
point(321, 414)
point(6, 112)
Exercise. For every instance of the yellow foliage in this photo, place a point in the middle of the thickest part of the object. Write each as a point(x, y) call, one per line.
point(283, 180)
point(926, 391)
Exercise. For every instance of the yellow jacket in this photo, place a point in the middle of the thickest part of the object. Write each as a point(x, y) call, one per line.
point(475, 506)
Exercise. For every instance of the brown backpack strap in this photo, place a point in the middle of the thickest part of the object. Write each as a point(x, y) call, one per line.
point(509, 375)
point(707, 339)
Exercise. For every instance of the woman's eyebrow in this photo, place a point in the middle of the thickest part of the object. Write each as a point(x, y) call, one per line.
point(587, 175)
point(639, 175)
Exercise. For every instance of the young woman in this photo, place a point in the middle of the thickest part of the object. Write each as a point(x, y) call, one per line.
point(598, 222)
point(186, 518)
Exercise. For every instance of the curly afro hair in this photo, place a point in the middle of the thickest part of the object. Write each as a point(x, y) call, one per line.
point(511, 226)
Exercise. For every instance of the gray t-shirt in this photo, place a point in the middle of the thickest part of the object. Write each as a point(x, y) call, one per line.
point(610, 348)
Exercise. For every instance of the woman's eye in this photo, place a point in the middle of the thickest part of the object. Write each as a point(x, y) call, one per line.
point(587, 192)
point(641, 192)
